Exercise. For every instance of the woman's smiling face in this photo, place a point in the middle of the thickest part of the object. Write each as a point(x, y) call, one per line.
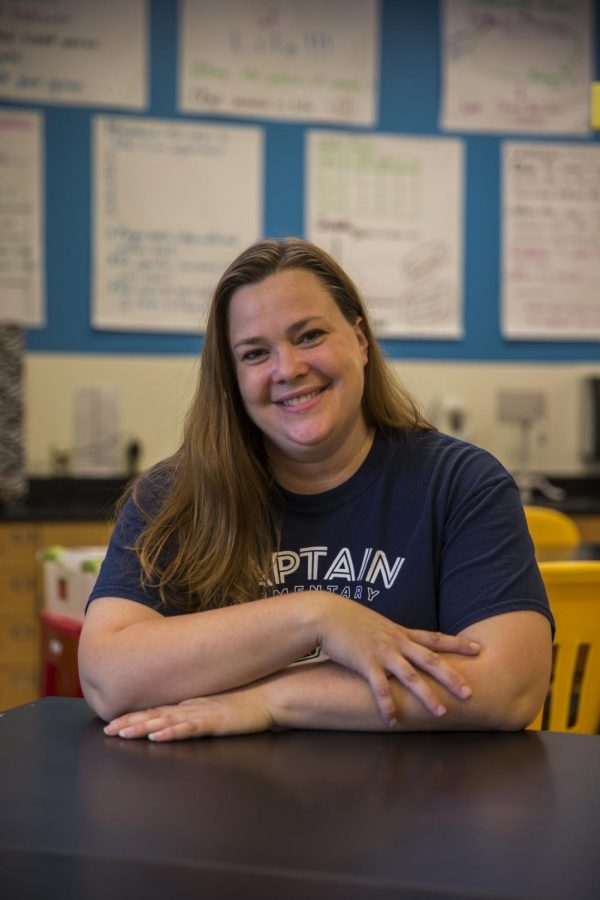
point(299, 365)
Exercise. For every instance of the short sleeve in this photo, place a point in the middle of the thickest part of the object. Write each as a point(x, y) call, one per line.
point(487, 562)
point(120, 573)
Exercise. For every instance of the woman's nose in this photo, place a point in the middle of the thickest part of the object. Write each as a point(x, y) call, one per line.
point(289, 364)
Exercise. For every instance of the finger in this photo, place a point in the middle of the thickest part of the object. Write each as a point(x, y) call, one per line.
point(144, 726)
point(444, 643)
point(116, 725)
point(206, 726)
point(438, 668)
point(179, 732)
point(408, 676)
point(382, 693)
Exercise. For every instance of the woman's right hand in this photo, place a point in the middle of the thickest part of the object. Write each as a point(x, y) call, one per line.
point(377, 648)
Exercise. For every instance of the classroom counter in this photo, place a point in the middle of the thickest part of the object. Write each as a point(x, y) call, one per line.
point(582, 495)
point(66, 499)
point(86, 499)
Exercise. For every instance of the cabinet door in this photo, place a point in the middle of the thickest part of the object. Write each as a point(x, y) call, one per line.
point(21, 595)
point(74, 534)
point(19, 684)
point(18, 542)
point(17, 591)
point(19, 640)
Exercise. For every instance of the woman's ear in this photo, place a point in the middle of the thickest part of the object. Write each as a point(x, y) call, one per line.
point(363, 341)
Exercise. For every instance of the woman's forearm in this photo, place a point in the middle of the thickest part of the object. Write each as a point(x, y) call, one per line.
point(130, 657)
point(330, 697)
point(508, 678)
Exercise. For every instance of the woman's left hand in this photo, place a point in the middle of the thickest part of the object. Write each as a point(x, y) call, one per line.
point(242, 711)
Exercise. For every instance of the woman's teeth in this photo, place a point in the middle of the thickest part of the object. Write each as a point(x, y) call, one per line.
point(296, 401)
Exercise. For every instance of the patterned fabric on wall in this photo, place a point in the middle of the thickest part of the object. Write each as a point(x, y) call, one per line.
point(13, 483)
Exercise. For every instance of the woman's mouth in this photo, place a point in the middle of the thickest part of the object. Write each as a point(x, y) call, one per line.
point(299, 399)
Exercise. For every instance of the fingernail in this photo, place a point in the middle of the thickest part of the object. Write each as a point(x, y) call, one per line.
point(440, 710)
point(465, 691)
point(124, 732)
point(474, 645)
point(392, 721)
point(152, 737)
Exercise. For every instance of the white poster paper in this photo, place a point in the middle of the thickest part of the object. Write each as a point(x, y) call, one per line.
point(21, 218)
point(389, 210)
point(175, 202)
point(516, 67)
point(74, 52)
point(282, 59)
point(551, 241)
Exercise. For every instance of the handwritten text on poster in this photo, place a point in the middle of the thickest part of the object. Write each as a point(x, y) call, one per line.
point(389, 209)
point(551, 241)
point(74, 52)
point(21, 218)
point(516, 66)
point(175, 203)
point(286, 59)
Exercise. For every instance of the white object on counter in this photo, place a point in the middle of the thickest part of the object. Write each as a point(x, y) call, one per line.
point(69, 576)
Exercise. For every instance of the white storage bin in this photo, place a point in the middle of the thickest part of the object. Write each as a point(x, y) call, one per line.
point(69, 576)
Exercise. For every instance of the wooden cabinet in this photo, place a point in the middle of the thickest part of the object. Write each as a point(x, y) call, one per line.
point(21, 598)
point(19, 631)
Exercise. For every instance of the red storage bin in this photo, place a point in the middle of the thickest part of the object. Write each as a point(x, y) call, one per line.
point(59, 642)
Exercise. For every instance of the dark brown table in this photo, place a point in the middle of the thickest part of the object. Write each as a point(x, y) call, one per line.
point(296, 815)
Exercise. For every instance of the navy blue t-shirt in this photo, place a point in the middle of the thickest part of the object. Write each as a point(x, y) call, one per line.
point(430, 532)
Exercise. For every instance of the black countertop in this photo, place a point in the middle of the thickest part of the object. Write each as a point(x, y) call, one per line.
point(66, 499)
point(582, 495)
point(89, 499)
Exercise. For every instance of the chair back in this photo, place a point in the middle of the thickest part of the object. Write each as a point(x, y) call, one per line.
point(573, 702)
point(551, 527)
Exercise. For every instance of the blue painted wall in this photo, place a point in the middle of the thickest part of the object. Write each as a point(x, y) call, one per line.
point(409, 101)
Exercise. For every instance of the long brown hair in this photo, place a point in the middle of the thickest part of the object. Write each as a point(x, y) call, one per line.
point(210, 540)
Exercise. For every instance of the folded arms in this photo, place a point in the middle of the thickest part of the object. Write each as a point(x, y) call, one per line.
point(228, 671)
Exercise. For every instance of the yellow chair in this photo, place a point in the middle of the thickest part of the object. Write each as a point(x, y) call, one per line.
point(551, 528)
point(573, 702)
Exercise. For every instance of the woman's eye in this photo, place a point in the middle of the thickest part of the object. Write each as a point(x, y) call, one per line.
point(252, 355)
point(312, 335)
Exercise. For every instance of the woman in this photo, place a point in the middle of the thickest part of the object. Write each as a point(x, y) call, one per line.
point(311, 514)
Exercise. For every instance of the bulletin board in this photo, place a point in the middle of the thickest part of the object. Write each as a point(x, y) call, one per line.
point(401, 99)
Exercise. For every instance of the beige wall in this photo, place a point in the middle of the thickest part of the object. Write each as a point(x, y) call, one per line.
point(154, 392)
